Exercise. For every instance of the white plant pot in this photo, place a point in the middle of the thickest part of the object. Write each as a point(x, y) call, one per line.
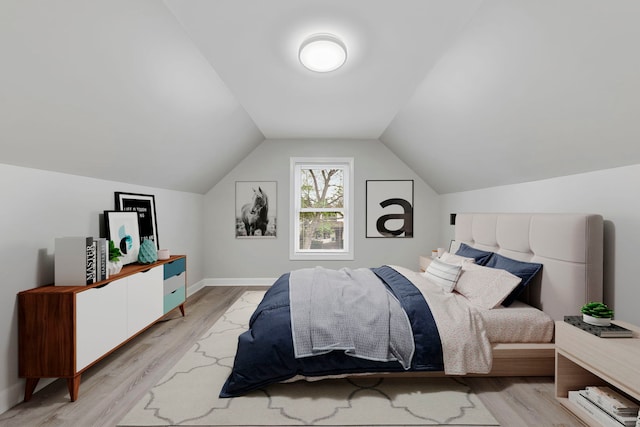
point(114, 267)
point(596, 321)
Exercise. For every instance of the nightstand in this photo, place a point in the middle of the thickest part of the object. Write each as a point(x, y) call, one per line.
point(583, 359)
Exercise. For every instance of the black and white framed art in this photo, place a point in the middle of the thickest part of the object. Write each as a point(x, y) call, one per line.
point(389, 210)
point(256, 209)
point(145, 206)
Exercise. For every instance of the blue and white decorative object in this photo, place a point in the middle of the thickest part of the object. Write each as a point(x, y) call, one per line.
point(148, 253)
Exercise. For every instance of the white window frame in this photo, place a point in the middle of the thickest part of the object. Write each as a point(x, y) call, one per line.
point(344, 163)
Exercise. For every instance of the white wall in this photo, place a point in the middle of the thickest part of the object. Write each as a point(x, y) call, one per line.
point(613, 193)
point(38, 206)
point(228, 257)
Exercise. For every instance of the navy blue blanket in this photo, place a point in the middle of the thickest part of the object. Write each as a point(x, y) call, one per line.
point(265, 352)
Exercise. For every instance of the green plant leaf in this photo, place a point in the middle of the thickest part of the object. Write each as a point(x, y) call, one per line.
point(114, 252)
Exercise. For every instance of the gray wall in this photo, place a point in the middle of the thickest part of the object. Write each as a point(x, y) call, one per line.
point(37, 207)
point(613, 193)
point(228, 257)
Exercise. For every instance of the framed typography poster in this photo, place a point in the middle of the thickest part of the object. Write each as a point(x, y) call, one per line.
point(145, 206)
point(389, 210)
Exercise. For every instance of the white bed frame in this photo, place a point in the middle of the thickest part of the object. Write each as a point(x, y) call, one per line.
point(570, 247)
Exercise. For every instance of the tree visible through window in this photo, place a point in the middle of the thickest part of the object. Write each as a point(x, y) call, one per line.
point(321, 211)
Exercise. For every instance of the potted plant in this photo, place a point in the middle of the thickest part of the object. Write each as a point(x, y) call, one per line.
point(115, 264)
point(596, 313)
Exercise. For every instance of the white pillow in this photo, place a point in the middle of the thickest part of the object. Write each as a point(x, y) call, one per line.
point(443, 274)
point(454, 259)
point(454, 246)
point(485, 287)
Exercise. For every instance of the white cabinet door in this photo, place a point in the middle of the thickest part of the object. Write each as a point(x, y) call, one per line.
point(101, 321)
point(144, 299)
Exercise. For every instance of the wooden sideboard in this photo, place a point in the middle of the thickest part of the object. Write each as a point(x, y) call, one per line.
point(64, 330)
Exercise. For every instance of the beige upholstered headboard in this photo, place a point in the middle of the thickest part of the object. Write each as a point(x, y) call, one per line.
point(569, 246)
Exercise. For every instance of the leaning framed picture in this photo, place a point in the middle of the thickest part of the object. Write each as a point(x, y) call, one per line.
point(256, 214)
point(122, 228)
point(145, 206)
point(389, 208)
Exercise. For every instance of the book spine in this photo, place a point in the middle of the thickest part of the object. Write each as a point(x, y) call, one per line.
point(102, 251)
point(105, 258)
point(70, 264)
point(91, 261)
point(596, 413)
point(609, 399)
point(625, 419)
point(96, 242)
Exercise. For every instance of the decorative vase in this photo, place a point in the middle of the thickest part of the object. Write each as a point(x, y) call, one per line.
point(147, 253)
point(114, 267)
point(596, 321)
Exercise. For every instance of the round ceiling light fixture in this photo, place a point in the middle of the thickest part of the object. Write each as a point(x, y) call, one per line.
point(322, 53)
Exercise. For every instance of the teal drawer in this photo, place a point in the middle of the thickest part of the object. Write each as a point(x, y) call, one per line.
point(173, 299)
point(174, 268)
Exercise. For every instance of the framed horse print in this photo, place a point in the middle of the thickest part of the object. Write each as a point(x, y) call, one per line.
point(256, 215)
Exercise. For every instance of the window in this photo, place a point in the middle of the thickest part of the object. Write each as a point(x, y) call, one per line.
point(321, 209)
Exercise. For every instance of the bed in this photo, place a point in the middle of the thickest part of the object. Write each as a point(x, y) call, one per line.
point(568, 247)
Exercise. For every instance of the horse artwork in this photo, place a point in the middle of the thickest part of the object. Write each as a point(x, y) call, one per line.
point(253, 219)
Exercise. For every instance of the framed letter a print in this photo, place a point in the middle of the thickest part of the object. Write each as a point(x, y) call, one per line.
point(389, 208)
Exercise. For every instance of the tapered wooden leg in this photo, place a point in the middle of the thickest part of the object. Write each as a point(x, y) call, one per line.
point(29, 387)
point(73, 384)
point(182, 309)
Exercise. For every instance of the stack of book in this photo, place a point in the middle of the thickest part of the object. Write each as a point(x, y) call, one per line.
point(611, 331)
point(607, 406)
point(80, 261)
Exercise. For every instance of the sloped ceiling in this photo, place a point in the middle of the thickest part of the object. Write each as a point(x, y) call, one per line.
point(115, 89)
point(173, 94)
point(391, 46)
point(529, 90)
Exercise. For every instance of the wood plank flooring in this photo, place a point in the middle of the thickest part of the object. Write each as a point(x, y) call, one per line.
point(111, 387)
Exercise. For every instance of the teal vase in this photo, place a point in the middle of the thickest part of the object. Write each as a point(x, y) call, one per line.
point(147, 253)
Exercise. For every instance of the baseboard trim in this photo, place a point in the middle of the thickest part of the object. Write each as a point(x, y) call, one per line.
point(235, 281)
point(14, 395)
point(192, 289)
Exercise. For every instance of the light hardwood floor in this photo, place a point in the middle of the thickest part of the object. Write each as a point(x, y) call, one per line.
point(111, 387)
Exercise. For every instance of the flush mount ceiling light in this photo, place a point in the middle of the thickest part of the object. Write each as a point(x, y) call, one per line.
point(322, 53)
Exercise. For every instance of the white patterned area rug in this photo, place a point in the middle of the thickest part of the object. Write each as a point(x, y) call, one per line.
point(188, 394)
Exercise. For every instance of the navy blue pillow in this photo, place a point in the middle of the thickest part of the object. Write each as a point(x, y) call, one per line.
point(524, 270)
point(480, 257)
